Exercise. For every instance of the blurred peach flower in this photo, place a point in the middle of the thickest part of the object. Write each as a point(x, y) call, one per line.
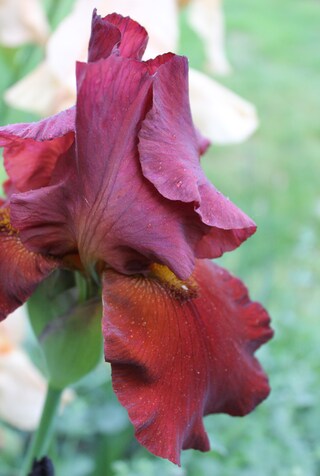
point(22, 387)
point(207, 19)
point(22, 21)
point(222, 116)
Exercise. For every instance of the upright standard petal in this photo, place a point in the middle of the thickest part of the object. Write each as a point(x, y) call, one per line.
point(169, 156)
point(134, 37)
point(115, 32)
point(116, 215)
point(169, 214)
point(31, 150)
point(20, 269)
point(180, 350)
point(104, 37)
point(160, 19)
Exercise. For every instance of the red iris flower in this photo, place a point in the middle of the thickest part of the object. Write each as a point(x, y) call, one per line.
point(114, 187)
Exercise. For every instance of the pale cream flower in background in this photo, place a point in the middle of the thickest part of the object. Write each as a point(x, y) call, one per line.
point(221, 115)
point(22, 21)
point(207, 19)
point(22, 387)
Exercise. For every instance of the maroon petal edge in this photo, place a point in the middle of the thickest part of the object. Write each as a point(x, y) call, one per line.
point(20, 269)
point(181, 350)
point(31, 150)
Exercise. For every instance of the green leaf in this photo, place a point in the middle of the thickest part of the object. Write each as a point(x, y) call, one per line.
point(69, 333)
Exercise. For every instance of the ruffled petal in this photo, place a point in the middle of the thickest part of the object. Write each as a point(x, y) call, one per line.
point(104, 206)
point(115, 30)
point(169, 214)
point(181, 350)
point(169, 156)
point(31, 150)
point(104, 37)
point(160, 19)
point(134, 37)
point(124, 221)
point(20, 270)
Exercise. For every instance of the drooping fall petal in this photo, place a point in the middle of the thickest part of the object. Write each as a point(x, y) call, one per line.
point(181, 350)
point(20, 269)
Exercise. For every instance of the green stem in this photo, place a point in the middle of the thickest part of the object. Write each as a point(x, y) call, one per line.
point(82, 286)
point(42, 437)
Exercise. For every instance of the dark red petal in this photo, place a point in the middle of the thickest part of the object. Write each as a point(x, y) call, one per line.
point(46, 217)
point(154, 64)
point(124, 220)
point(181, 350)
point(112, 95)
point(45, 130)
point(20, 270)
point(104, 37)
point(31, 150)
point(169, 149)
point(134, 37)
point(105, 208)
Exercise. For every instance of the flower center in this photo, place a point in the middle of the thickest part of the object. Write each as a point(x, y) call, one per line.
point(181, 290)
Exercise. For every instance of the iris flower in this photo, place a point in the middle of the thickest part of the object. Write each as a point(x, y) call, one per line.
point(113, 188)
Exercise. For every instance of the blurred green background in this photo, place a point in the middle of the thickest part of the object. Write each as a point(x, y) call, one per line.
point(274, 50)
